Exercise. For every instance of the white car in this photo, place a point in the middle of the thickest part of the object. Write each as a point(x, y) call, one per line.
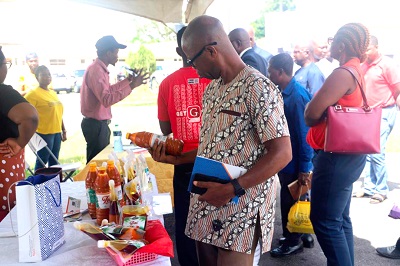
point(62, 82)
point(157, 77)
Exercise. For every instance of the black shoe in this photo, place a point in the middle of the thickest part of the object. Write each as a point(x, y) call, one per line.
point(284, 250)
point(389, 252)
point(308, 240)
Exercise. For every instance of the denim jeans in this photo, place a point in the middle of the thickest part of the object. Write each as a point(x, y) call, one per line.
point(376, 176)
point(332, 185)
point(54, 144)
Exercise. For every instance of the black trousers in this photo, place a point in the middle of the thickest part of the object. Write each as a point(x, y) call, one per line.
point(186, 247)
point(287, 202)
point(97, 135)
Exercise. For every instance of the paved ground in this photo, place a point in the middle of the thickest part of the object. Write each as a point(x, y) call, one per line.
point(372, 228)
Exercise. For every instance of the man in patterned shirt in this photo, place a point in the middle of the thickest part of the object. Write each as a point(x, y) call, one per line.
point(243, 124)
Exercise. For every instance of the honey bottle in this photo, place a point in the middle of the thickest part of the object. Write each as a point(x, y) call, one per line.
point(103, 195)
point(90, 189)
point(146, 140)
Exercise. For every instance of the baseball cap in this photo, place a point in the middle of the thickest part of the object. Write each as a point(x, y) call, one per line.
point(107, 43)
point(31, 55)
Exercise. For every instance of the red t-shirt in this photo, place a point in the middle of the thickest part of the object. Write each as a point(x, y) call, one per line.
point(316, 134)
point(180, 102)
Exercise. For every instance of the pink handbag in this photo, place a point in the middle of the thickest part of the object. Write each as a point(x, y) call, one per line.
point(353, 130)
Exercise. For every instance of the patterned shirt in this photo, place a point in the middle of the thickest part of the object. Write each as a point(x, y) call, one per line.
point(237, 119)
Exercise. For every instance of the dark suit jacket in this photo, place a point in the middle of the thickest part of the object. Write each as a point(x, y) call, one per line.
point(251, 58)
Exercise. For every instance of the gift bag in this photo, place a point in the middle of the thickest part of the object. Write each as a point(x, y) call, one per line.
point(40, 217)
point(395, 212)
point(299, 218)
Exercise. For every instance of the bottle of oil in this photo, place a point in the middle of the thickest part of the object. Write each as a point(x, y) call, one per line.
point(146, 140)
point(113, 174)
point(102, 195)
point(90, 189)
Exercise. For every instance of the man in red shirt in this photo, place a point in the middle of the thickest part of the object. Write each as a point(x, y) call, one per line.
point(382, 81)
point(179, 112)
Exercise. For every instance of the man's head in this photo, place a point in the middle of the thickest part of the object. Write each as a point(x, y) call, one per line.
point(32, 60)
point(208, 48)
point(280, 69)
point(107, 49)
point(372, 50)
point(303, 54)
point(179, 47)
point(240, 39)
point(252, 37)
point(320, 48)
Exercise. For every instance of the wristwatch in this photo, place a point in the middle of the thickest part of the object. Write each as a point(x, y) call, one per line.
point(239, 191)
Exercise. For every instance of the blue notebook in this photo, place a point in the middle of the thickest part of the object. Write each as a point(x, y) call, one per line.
point(209, 167)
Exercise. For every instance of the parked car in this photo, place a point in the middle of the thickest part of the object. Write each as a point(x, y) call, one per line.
point(62, 82)
point(78, 75)
point(156, 77)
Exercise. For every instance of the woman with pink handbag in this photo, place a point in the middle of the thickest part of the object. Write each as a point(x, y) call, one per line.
point(334, 173)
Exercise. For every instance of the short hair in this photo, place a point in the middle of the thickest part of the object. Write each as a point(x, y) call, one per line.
point(282, 61)
point(2, 56)
point(373, 40)
point(355, 37)
point(39, 70)
point(179, 36)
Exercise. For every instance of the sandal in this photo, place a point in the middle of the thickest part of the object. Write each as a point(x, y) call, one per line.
point(361, 194)
point(377, 198)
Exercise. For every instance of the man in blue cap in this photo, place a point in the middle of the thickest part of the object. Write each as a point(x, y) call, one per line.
point(27, 80)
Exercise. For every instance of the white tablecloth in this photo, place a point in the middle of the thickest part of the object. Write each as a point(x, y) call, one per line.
point(79, 249)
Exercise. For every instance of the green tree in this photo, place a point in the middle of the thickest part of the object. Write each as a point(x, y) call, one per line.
point(267, 7)
point(143, 58)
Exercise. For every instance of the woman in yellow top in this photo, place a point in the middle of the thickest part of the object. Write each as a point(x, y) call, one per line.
point(50, 109)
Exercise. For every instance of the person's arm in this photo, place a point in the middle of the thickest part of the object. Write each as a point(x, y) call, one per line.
point(26, 117)
point(304, 152)
point(157, 152)
point(278, 154)
point(339, 83)
point(165, 127)
point(64, 131)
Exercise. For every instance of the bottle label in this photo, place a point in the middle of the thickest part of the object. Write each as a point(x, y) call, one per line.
point(103, 200)
point(160, 138)
point(118, 192)
point(91, 195)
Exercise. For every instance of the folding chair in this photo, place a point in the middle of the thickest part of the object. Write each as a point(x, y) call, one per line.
point(68, 169)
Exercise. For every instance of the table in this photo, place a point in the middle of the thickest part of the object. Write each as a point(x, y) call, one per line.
point(79, 249)
point(164, 172)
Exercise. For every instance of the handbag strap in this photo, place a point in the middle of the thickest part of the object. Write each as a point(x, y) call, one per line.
point(365, 106)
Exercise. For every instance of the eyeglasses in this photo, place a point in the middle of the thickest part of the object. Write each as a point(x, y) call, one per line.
point(191, 61)
point(330, 40)
point(9, 64)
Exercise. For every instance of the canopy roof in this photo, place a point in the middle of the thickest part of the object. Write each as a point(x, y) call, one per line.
point(166, 11)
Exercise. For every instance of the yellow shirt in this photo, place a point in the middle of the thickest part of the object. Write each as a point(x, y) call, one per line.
point(49, 108)
point(28, 82)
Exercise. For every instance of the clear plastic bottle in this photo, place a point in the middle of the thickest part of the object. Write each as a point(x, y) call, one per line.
point(117, 135)
point(114, 213)
point(90, 189)
point(146, 140)
point(102, 195)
